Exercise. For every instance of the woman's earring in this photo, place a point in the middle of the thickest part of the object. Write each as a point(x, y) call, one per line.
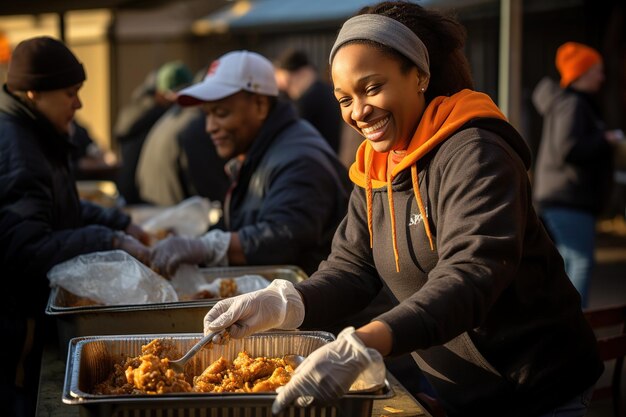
point(422, 89)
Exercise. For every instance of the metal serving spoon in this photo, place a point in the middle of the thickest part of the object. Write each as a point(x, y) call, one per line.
point(293, 360)
point(179, 364)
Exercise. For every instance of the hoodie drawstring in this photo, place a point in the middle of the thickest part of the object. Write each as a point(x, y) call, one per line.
point(368, 193)
point(392, 211)
point(392, 214)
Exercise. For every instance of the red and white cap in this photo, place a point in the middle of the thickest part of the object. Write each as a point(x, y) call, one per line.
point(229, 74)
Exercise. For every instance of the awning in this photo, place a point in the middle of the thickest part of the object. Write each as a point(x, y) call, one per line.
point(277, 15)
point(18, 7)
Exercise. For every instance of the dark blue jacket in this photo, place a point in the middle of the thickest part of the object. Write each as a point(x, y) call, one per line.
point(290, 194)
point(42, 220)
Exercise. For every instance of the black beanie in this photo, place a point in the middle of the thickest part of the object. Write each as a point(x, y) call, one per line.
point(43, 64)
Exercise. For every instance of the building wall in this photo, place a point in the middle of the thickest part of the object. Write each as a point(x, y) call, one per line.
point(86, 37)
point(133, 60)
point(95, 114)
point(118, 50)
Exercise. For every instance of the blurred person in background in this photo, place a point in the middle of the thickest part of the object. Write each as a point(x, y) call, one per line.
point(42, 220)
point(442, 214)
point(89, 161)
point(298, 78)
point(574, 169)
point(5, 55)
point(178, 159)
point(148, 103)
point(289, 192)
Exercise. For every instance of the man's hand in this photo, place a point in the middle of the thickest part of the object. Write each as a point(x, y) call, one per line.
point(170, 253)
point(138, 233)
point(210, 249)
point(132, 246)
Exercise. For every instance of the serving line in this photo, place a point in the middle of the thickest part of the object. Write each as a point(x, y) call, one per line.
point(49, 403)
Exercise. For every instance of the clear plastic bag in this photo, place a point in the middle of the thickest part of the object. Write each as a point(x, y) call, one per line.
point(191, 217)
point(112, 278)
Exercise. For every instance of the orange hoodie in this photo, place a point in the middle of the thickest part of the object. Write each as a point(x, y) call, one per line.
point(441, 119)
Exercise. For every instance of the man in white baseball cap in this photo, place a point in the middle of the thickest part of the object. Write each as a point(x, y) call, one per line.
point(289, 191)
point(233, 72)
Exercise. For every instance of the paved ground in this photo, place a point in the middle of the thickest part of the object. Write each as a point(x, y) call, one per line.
point(608, 288)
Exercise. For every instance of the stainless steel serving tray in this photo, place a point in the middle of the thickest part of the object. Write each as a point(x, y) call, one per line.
point(177, 317)
point(90, 360)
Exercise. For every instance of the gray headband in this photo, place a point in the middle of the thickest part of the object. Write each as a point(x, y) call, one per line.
point(386, 31)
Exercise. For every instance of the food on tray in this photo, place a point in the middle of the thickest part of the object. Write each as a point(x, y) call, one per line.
point(228, 288)
point(73, 300)
point(160, 234)
point(200, 295)
point(149, 373)
point(244, 374)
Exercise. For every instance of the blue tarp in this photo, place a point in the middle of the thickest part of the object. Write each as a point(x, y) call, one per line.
point(242, 15)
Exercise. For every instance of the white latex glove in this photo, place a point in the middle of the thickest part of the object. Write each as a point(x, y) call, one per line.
point(218, 241)
point(327, 373)
point(210, 249)
point(279, 306)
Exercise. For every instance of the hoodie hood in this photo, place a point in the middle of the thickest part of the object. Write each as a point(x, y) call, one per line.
point(442, 118)
point(545, 94)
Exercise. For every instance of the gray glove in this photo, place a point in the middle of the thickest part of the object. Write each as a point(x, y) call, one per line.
point(327, 373)
point(210, 249)
point(132, 246)
point(279, 306)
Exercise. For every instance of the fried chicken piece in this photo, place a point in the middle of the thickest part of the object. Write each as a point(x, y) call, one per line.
point(160, 348)
point(72, 300)
point(245, 374)
point(146, 374)
point(153, 376)
point(150, 373)
point(251, 369)
point(279, 377)
point(228, 288)
point(212, 375)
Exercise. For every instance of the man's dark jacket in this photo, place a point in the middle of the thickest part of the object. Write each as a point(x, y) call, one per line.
point(290, 194)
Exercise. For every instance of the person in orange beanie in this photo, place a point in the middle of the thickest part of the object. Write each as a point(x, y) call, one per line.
point(574, 60)
point(573, 174)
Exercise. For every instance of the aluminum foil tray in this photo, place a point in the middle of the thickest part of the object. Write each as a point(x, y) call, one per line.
point(90, 360)
point(177, 317)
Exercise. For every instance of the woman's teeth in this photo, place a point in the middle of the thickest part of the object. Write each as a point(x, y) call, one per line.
point(371, 129)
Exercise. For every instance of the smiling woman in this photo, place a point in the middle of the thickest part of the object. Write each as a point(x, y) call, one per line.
point(442, 215)
point(377, 98)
